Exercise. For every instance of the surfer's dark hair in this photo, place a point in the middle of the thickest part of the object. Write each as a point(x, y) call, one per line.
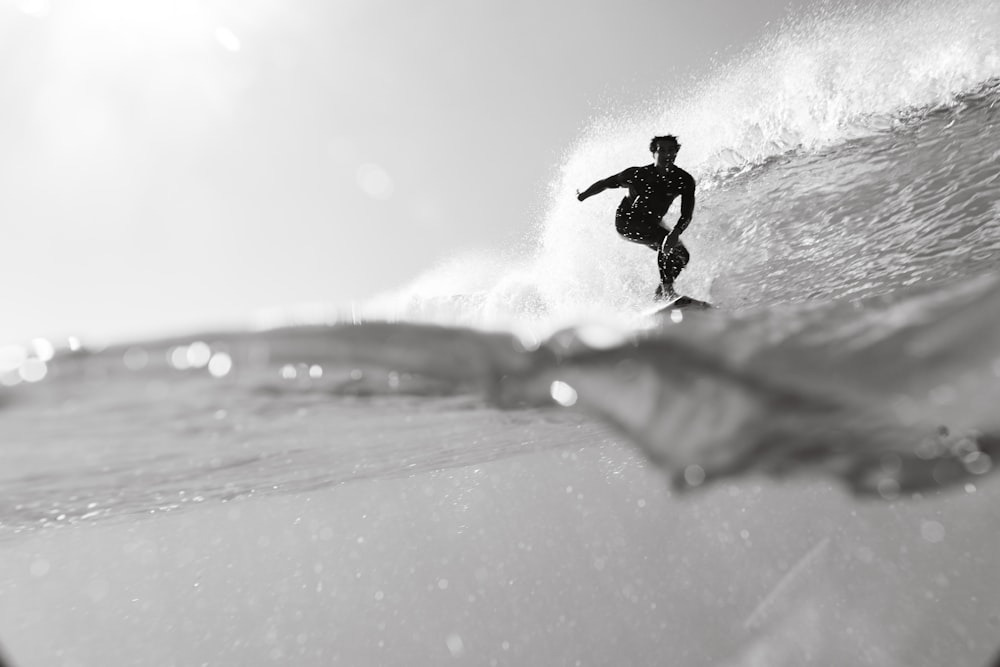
point(669, 138)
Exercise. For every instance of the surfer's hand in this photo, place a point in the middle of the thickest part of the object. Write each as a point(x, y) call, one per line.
point(579, 196)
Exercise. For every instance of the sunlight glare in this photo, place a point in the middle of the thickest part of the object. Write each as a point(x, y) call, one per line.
point(33, 370)
point(563, 394)
point(178, 358)
point(229, 41)
point(135, 358)
point(11, 357)
point(38, 9)
point(374, 181)
point(601, 337)
point(44, 349)
point(198, 354)
point(220, 364)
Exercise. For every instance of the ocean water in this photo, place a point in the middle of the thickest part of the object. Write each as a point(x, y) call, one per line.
point(515, 462)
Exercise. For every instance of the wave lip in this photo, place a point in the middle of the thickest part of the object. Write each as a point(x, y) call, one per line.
point(837, 74)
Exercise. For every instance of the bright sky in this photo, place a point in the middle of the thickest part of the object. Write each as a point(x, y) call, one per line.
point(172, 164)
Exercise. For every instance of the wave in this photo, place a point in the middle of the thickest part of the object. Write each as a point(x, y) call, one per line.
point(826, 76)
point(845, 116)
point(851, 261)
point(894, 399)
point(878, 213)
point(889, 395)
point(892, 396)
point(888, 210)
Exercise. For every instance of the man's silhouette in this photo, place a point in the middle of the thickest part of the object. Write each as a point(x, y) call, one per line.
point(651, 190)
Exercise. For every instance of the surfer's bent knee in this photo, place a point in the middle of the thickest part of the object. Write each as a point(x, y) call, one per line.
point(647, 232)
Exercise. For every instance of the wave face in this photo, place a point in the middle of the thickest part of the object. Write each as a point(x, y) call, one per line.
point(850, 152)
point(917, 203)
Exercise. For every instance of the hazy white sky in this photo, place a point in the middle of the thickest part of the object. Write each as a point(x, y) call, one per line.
point(171, 164)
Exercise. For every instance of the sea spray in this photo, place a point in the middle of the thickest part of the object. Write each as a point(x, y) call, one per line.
point(823, 79)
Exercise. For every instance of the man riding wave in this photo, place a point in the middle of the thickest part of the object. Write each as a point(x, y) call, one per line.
point(651, 191)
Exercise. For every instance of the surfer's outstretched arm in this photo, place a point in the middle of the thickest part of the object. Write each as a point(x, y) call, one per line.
point(600, 186)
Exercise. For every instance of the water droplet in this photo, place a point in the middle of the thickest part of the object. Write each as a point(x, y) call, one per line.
point(198, 353)
point(219, 366)
point(177, 357)
point(563, 394)
point(44, 349)
point(932, 531)
point(33, 370)
point(455, 645)
point(694, 475)
point(374, 181)
point(11, 357)
point(978, 463)
point(40, 568)
point(135, 358)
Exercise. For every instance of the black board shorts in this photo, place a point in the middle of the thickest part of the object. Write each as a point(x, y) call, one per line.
point(639, 228)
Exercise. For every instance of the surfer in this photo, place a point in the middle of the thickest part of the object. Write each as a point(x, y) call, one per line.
point(651, 190)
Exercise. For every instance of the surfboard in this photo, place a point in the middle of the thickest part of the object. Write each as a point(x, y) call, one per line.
point(688, 302)
point(680, 303)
